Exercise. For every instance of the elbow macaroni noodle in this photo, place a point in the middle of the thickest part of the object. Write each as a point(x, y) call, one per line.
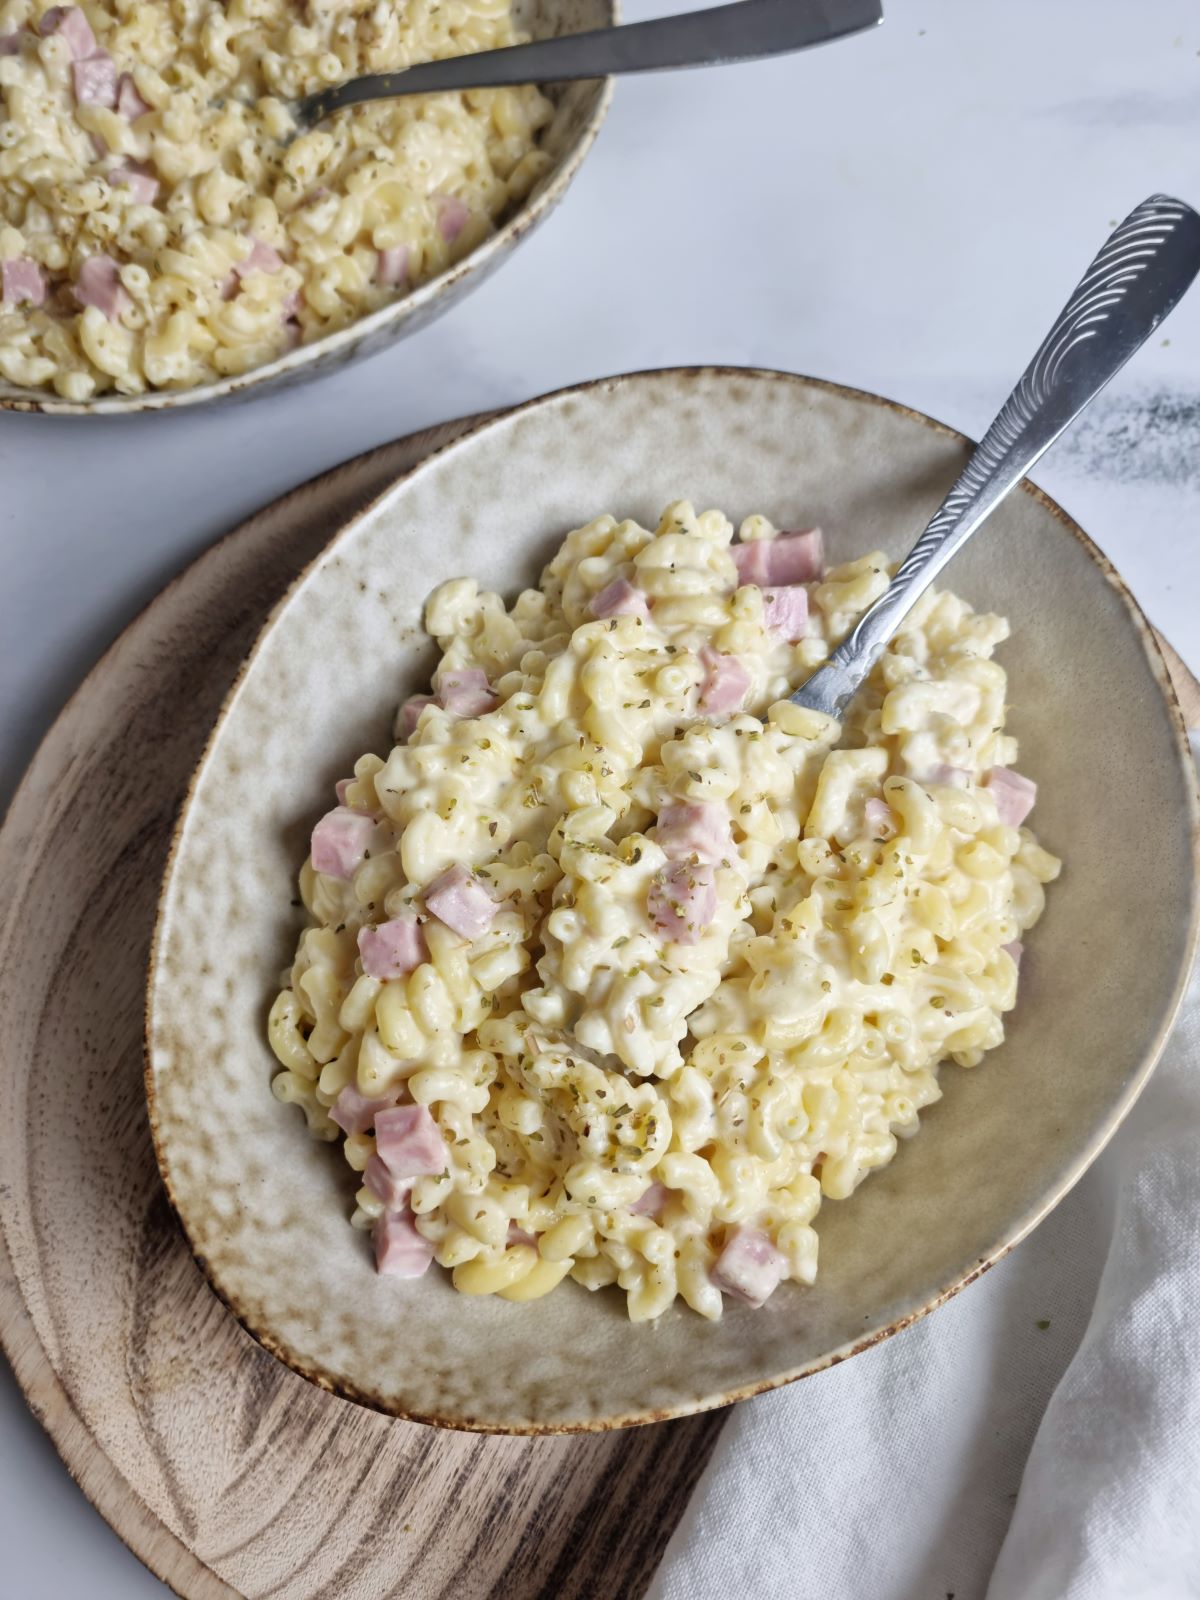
point(572, 1055)
point(423, 179)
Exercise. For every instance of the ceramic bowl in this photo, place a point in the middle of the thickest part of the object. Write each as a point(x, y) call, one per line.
point(266, 1208)
point(580, 109)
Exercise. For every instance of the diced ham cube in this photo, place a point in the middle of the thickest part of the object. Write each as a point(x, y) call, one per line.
point(1014, 795)
point(458, 899)
point(452, 217)
point(95, 80)
point(1015, 949)
point(749, 1266)
point(99, 285)
point(725, 684)
point(695, 830)
point(410, 712)
point(10, 44)
point(262, 258)
point(75, 29)
point(129, 102)
point(620, 599)
point(789, 558)
point(650, 1203)
point(393, 948)
point(409, 1142)
point(138, 179)
point(354, 1113)
point(880, 819)
point(519, 1236)
point(465, 692)
point(400, 1251)
point(339, 842)
point(683, 901)
point(392, 266)
point(380, 1181)
point(785, 612)
point(23, 280)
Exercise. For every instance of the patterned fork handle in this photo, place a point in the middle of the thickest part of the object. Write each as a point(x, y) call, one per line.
point(744, 31)
point(1139, 276)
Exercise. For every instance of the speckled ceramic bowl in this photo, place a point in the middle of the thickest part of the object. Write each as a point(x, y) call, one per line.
point(580, 109)
point(266, 1208)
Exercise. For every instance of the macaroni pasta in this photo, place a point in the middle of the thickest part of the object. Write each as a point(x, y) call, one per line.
point(620, 963)
point(157, 231)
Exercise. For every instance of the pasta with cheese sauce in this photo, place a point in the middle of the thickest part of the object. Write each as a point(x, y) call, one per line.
point(620, 964)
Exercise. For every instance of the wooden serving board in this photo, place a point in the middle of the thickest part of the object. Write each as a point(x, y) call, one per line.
point(224, 1472)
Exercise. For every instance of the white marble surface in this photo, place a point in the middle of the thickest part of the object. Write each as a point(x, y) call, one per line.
point(904, 212)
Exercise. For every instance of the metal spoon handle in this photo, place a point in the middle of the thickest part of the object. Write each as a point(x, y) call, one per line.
point(1142, 272)
point(743, 31)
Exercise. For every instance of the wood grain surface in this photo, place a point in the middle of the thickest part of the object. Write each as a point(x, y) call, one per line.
point(228, 1475)
point(224, 1472)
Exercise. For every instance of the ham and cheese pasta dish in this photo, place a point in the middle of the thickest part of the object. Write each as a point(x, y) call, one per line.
point(620, 963)
point(156, 231)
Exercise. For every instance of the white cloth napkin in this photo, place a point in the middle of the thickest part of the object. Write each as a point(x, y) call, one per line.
point(1038, 1438)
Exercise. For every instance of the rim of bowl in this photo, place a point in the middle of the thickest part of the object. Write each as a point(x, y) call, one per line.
point(34, 402)
point(377, 1402)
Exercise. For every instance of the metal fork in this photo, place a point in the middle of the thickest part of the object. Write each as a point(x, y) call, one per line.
point(1140, 275)
point(748, 30)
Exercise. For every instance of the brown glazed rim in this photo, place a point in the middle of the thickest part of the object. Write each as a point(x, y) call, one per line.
point(377, 1402)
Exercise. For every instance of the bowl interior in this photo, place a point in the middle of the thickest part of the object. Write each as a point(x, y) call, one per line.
point(266, 1208)
point(579, 111)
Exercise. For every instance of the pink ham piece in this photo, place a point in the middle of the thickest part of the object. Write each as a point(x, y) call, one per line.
point(789, 558)
point(138, 179)
point(393, 948)
point(98, 285)
point(339, 842)
point(452, 217)
point(749, 1266)
point(880, 819)
point(354, 1113)
point(695, 830)
point(409, 1142)
point(410, 712)
point(459, 900)
point(519, 1236)
point(392, 266)
point(683, 901)
point(725, 684)
point(75, 29)
point(1014, 795)
point(262, 258)
point(129, 102)
point(95, 80)
point(291, 306)
point(1016, 950)
point(23, 281)
point(385, 1186)
point(465, 692)
point(400, 1251)
point(785, 612)
point(650, 1203)
point(10, 44)
point(620, 599)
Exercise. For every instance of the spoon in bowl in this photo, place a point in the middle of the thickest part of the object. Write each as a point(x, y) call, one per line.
point(1144, 269)
point(747, 30)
